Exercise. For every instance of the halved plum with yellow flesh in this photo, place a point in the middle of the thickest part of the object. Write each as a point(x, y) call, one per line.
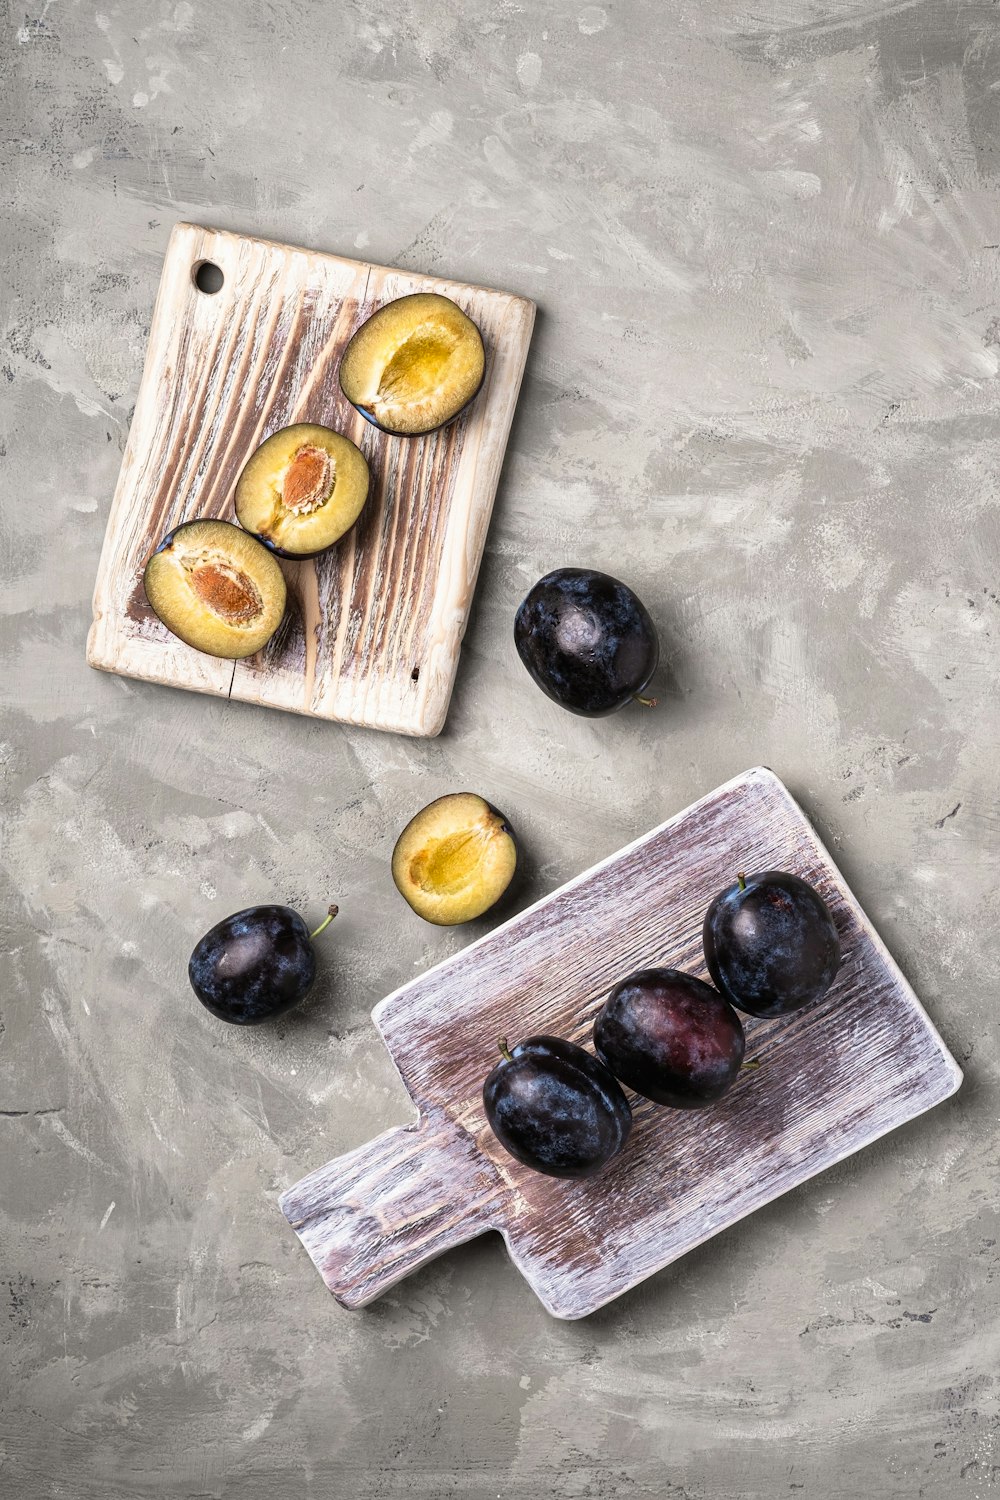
point(455, 859)
point(414, 365)
point(302, 490)
point(216, 588)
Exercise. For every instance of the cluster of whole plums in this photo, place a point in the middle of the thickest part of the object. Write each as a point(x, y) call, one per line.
point(771, 946)
point(411, 368)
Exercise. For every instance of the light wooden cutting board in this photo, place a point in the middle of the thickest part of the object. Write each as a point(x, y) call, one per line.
point(374, 627)
point(831, 1078)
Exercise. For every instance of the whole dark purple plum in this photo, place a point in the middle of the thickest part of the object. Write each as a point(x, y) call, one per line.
point(555, 1108)
point(587, 641)
point(256, 964)
point(770, 943)
point(671, 1037)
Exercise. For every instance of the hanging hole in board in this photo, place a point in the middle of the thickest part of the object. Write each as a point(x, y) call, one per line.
point(208, 277)
point(415, 675)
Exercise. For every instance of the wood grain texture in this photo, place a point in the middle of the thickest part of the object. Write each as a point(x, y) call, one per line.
point(832, 1078)
point(374, 627)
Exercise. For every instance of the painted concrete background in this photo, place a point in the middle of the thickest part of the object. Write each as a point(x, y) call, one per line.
point(765, 244)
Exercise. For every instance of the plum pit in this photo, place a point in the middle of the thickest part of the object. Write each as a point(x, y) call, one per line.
point(416, 370)
point(225, 590)
point(308, 480)
point(451, 865)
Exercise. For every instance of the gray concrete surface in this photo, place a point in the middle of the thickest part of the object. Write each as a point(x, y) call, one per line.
point(765, 244)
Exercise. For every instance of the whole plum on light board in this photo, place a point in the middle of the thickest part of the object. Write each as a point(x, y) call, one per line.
point(555, 1108)
point(771, 944)
point(671, 1037)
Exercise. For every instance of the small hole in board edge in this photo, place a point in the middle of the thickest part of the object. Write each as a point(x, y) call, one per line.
point(415, 675)
point(207, 277)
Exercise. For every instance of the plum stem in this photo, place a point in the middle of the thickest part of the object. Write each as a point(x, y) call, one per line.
point(331, 913)
point(646, 702)
point(502, 1044)
point(751, 1064)
point(741, 877)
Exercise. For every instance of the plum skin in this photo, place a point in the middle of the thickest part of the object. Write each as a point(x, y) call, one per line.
point(556, 1108)
point(253, 965)
point(284, 552)
point(671, 1037)
point(587, 640)
point(771, 945)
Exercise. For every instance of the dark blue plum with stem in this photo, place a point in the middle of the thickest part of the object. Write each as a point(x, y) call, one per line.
point(555, 1107)
point(587, 640)
point(771, 944)
point(256, 964)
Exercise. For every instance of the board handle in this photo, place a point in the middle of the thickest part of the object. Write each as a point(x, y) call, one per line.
point(371, 1217)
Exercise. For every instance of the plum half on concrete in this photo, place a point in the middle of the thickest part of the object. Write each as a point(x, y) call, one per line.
point(414, 365)
point(302, 490)
point(455, 859)
point(216, 588)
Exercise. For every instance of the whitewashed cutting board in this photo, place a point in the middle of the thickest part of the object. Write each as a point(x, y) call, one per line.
point(374, 627)
point(831, 1078)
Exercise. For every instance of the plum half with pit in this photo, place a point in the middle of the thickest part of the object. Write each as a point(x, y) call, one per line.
point(454, 859)
point(555, 1107)
point(587, 640)
point(771, 944)
point(256, 964)
point(671, 1037)
point(302, 490)
point(216, 588)
point(415, 365)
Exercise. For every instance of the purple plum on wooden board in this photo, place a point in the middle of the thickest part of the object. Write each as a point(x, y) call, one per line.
point(770, 943)
point(671, 1037)
point(556, 1108)
point(837, 1077)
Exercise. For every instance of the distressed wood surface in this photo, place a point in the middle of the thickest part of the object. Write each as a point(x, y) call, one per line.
point(832, 1078)
point(374, 627)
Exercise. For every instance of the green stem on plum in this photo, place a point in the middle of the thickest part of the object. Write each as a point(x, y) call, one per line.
point(502, 1044)
point(751, 1065)
point(646, 702)
point(325, 922)
point(741, 877)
